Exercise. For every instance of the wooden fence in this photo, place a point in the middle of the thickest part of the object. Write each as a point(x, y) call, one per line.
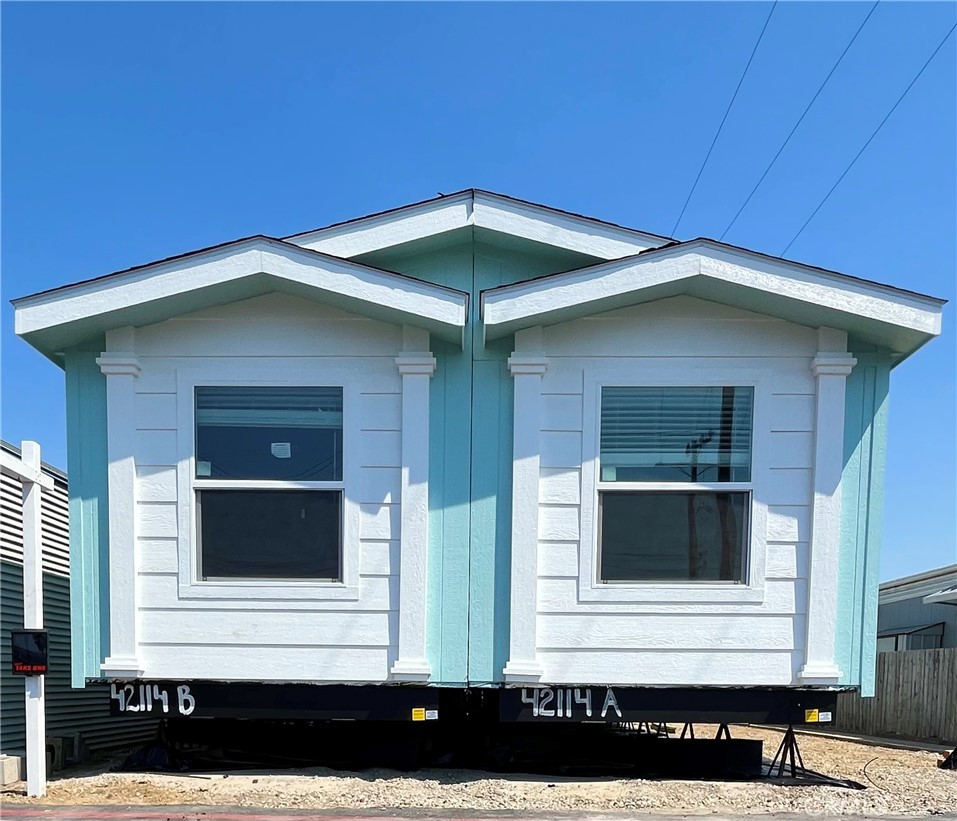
point(916, 698)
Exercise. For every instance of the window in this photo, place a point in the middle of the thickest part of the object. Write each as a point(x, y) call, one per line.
point(268, 481)
point(674, 489)
point(927, 637)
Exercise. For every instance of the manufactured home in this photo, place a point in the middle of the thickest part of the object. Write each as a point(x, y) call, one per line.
point(476, 446)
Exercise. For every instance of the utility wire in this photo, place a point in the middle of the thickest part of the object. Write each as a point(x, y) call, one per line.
point(800, 120)
point(725, 117)
point(870, 139)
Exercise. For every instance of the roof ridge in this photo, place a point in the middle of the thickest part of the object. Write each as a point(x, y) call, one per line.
point(473, 191)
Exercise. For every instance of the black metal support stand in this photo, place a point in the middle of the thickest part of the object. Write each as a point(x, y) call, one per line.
point(787, 752)
point(688, 729)
point(789, 764)
point(723, 732)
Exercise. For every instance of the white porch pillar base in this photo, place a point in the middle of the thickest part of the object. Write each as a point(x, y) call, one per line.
point(121, 368)
point(411, 670)
point(523, 671)
point(830, 367)
point(820, 674)
point(114, 667)
point(527, 371)
point(416, 369)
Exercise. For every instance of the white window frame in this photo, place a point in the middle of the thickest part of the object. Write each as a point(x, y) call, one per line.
point(673, 373)
point(191, 584)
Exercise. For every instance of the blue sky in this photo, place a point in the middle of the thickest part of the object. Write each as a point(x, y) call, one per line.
point(132, 132)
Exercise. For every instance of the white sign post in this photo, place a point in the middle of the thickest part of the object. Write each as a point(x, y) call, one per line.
point(27, 469)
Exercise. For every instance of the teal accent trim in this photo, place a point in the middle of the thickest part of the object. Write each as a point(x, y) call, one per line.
point(447, 639)
point(470, 467)
point(450, 412)
point(490, 551)
point(862, 498)
point(89, 511)
point(492, 428)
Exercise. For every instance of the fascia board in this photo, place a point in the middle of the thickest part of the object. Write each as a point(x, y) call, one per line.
point(406, 297)
point(560, 230)
point(869, 300)
point(593, 288)
point(411, 297)
point(587, 288)
point(390, 228)
point(484, 209)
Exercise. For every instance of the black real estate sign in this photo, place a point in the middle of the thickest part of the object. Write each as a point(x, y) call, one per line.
point(29, 652)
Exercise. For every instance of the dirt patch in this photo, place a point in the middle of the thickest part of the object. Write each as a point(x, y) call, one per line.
point(899, 782)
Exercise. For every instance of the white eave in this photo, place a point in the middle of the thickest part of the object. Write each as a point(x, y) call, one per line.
point(55, 319)
point(481, 209)
point(947, 596)
point(939, 582)
point(898, 320)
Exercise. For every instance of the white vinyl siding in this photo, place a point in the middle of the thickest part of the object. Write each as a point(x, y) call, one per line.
point(660, 636)
point(282, 632)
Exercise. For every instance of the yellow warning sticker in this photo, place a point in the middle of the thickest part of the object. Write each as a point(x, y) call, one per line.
point(418, 713)
point(811, 717)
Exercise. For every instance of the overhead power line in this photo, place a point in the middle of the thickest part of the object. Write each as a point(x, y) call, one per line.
point(870, 139)
point(800, 120)
point(725, 117)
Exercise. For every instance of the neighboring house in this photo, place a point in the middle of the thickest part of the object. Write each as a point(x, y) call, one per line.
point(918, 612)
point(474, 442)
point(78, 718)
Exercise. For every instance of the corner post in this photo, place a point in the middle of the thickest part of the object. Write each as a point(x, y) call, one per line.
point(830, 367)
point(416, 368)
point(527, 366)
point(121, 368)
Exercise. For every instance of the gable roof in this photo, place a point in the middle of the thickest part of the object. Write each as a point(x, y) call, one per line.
point(637, 267)
point(482, 209)
point(51, 320)
point(891, 317)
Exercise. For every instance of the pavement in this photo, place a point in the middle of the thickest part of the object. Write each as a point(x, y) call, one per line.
point(180, 813)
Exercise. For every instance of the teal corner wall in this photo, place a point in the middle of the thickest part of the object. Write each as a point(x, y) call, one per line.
point(449, 515)
point(89, 513)
point(470, 469)
point(862, 499)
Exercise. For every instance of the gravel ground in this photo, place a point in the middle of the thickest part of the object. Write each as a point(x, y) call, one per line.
point(900, 782)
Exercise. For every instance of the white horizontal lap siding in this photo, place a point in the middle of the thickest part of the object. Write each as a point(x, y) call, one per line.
point(669, 667)
point(676, 642)
point(274, 325)
point(273, 639)
point(306, 663)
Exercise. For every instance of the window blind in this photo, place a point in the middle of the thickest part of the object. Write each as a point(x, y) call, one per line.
point(676, 434)
point(293, 407)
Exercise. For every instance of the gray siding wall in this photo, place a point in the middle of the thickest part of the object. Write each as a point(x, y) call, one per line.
point(68, 711)
point(910, 613)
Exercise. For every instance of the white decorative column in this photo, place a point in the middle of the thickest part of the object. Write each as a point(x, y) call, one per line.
point(831, 367)
point(121, 368)
point(527, 367)
point(416, 368)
